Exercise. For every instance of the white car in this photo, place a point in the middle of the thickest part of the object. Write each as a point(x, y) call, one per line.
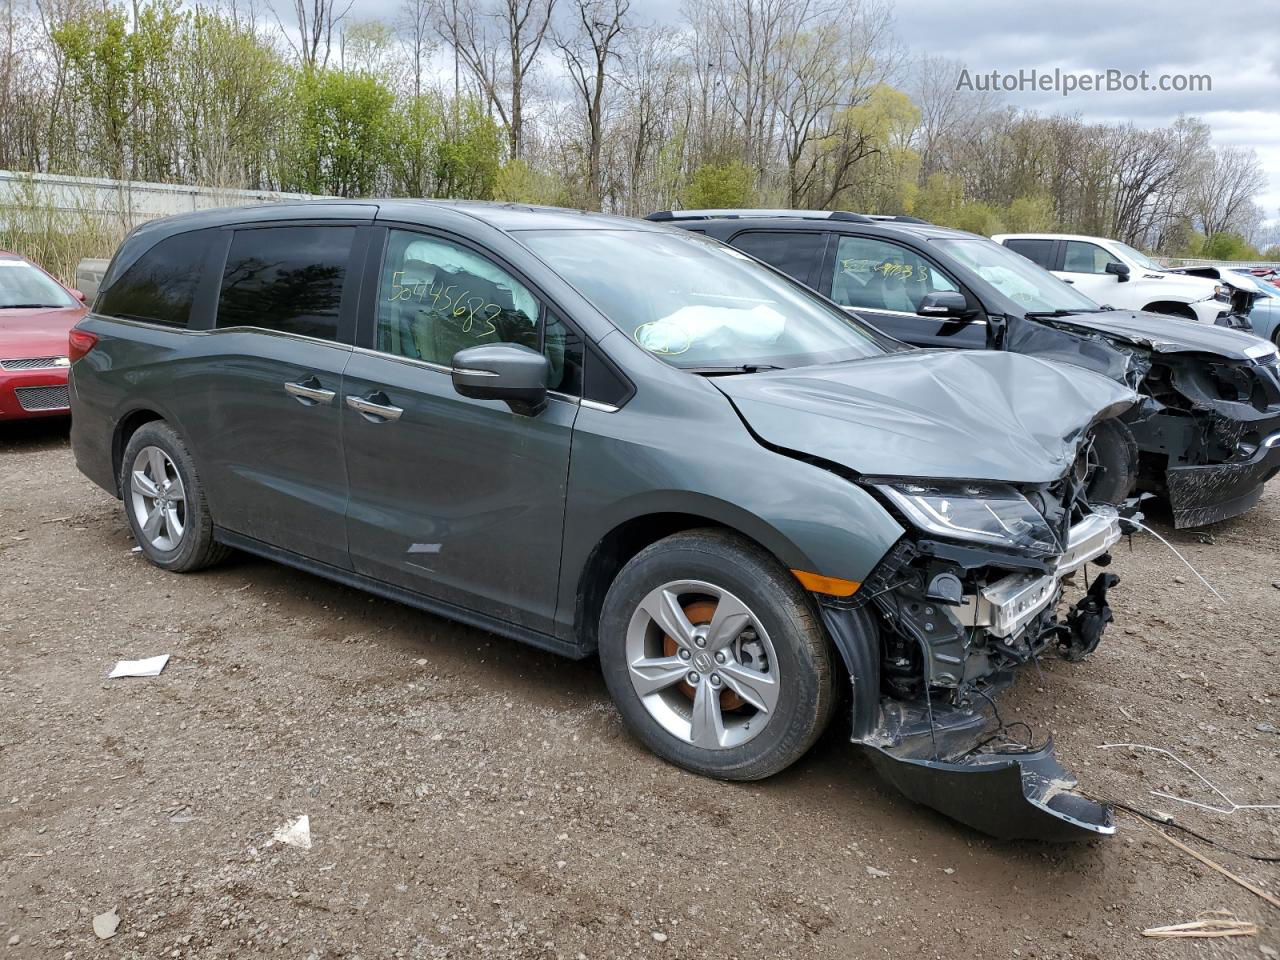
point(1115, 274)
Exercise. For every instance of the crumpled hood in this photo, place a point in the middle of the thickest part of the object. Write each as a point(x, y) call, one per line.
point(938, 414)
point(1164, 334)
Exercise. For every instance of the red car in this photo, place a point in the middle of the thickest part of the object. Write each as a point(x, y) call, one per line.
point(36, 314)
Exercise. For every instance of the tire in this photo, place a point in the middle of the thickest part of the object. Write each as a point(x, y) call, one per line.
point(773, 632)
point(1115, 471)
point(183, 540)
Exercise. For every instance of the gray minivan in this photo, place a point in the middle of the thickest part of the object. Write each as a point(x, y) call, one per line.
point(601, 435)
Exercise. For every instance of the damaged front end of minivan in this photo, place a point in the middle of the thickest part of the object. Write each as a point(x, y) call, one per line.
point(1207, 423)
point(983, 459)
point(941, 628)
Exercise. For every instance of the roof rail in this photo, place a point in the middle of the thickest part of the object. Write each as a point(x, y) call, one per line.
point(893, 218)
point(745, 214)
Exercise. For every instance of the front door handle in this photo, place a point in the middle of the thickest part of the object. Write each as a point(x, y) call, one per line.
point(309, 392)
point(376, 408)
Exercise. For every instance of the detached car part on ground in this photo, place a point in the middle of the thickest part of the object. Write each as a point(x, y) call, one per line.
point(1205, 433)
point(595, 434)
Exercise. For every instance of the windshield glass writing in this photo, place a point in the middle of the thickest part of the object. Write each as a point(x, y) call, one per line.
point(1031, 287)
point(699, 304)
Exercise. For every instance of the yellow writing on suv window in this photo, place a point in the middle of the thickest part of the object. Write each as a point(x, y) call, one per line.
point(452, 301)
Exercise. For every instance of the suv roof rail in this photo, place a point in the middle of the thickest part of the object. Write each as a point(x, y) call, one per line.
point(893, 218)
point(744, 214)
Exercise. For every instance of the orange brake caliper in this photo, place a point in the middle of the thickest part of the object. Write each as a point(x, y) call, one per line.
point(700, 613)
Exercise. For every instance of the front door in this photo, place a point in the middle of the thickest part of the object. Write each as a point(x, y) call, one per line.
point(1084, 265)
point(269, 389)
point(884, 283)
point(462, 500)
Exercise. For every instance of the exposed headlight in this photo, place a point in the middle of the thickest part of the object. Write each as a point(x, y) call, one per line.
point(1221, 293)
point(988, 513)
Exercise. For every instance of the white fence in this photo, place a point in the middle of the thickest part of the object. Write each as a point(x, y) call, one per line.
point(122, 201)
point(1229, 264)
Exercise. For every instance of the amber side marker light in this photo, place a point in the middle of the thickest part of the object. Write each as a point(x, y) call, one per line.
point(831, 586)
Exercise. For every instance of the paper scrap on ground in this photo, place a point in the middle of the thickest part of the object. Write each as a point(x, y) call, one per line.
point(296, 833)
point(105, 924)
point(149, 667)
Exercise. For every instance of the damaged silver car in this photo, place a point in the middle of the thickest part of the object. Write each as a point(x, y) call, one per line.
point(598, 435)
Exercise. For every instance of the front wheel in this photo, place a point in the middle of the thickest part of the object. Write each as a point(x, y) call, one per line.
point(715, 656)
point(1110, 463)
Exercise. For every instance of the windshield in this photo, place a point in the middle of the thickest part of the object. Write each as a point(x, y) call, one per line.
point(22, 285)
point(1033, 288)
point(696, 303)
point(1137, 256)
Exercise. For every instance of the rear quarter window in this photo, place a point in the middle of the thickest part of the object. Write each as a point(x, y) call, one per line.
point(160, 285)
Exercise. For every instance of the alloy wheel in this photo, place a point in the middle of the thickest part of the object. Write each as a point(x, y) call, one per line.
point(702, 664)
point(158, 498)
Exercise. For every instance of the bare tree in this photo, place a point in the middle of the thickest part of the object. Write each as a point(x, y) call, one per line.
point(317, 19)
point(1224, 190)
point(414, 24)
point(498, 42)
point(587, 48)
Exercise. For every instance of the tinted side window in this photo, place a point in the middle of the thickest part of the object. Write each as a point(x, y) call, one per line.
point(879, 275)
point(438, 297)
point(161, 284)
point(1037, 251)
point(794, 253)
point(287, 279)
point(1085, 258)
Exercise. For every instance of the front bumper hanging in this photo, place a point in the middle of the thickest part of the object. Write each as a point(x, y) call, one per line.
point(950, 755)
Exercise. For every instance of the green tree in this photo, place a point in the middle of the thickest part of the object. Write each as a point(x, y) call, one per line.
point(1225, 245)
point(1032, 214)
point(719, 185)
point(119, 79)
point(341, 134)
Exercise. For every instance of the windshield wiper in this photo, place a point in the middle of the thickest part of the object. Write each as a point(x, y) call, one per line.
point(1060, 313)
point(25, 306)
point(740, 368)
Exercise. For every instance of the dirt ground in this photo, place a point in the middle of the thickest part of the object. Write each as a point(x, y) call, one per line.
point(469, 797)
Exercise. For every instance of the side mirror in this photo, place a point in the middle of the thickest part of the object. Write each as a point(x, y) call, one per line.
point(509, 372)
point(943, 303)
point(79, 295)
point(1118, 270)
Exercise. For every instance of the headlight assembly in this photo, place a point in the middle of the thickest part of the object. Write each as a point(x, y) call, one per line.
point(987, 513)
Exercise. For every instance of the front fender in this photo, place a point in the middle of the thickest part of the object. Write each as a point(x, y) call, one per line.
point(625, 468)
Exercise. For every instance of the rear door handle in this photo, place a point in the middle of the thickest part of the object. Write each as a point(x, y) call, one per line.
point(309, 392)
point(376, 408)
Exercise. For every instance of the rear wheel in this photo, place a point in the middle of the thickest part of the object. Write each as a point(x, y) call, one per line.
point(165, 503)
point(715, 656)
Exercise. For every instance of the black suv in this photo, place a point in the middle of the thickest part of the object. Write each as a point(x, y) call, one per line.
point(1206, 434)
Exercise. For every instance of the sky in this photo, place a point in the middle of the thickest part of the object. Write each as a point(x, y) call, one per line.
point(1237, 45)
